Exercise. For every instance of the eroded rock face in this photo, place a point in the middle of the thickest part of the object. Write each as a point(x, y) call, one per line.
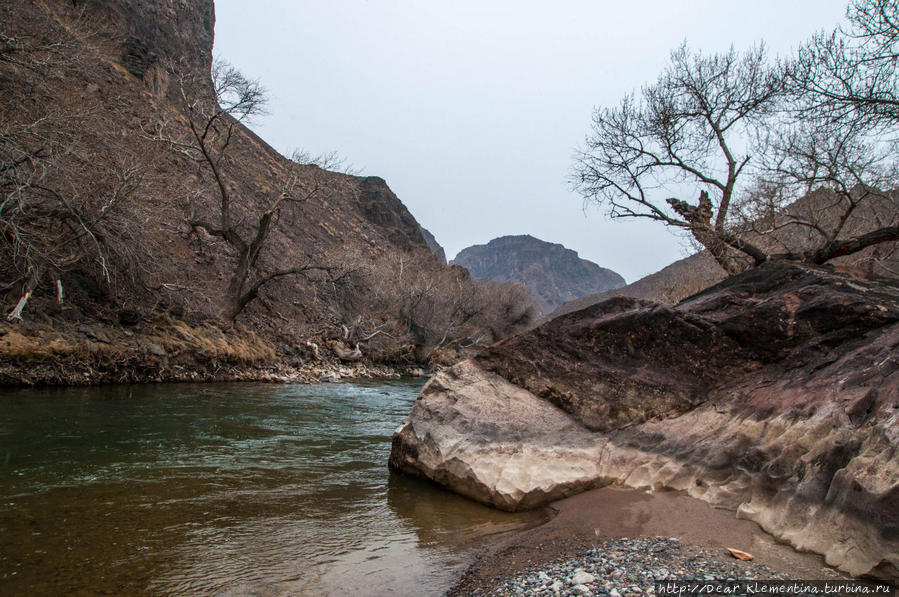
point(774, 393)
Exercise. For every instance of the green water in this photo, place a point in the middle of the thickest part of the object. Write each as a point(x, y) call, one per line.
point(224, 489)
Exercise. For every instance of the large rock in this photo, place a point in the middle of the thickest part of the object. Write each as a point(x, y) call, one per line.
point(774, 393)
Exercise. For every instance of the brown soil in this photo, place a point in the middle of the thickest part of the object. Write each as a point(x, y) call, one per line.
point(583, 520)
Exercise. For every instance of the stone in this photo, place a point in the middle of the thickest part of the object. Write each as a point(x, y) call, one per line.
point(740, 555)
point(773, 393)
point(93, 333)
point(581, 577)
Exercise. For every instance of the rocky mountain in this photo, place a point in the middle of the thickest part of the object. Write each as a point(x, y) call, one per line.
point(434, 245)
point(668, 286)
point(773, 393)
point(552, 273)
point(114, 215)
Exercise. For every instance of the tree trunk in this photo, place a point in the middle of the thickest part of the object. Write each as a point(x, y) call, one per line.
point(699, 218)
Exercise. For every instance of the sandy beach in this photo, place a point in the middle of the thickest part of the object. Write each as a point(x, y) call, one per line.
point(582, 521)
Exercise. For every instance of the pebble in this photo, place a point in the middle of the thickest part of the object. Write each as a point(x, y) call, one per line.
point(627, 567)
point(582, 578)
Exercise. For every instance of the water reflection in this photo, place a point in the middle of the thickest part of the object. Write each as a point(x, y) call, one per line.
point(441, 518)
point(222, 489)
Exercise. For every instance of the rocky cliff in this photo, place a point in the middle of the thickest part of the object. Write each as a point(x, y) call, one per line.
point(774, 393)
point(434, 245)
point(106, 193)
point(552, 273)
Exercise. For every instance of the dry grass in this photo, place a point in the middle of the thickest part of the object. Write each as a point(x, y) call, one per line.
point(43, 345)
point(237, 346)
point(176, 338)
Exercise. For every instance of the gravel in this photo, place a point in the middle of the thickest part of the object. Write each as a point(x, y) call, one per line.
point(627, 568)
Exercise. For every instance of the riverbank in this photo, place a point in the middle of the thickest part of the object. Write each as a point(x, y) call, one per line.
point(170, 350)
point(622, 537)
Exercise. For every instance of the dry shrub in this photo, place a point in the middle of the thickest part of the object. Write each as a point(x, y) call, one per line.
point(416, 310)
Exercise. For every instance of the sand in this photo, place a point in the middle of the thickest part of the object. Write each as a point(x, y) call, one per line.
point(610, 512)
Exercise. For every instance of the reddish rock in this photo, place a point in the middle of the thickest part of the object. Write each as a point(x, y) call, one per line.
point(774, 393)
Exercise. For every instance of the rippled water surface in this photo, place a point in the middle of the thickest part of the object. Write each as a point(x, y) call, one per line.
point(234, 489)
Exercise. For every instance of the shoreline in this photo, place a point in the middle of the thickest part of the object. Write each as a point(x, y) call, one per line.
point(70, 375)
point(171, 351)
point(586, 520)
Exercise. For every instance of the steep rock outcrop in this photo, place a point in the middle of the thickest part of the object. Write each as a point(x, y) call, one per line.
point(774, 393)
point(114, 78)
point(151, 36)
point(433, 245)
point(552, 273)
point(381, 207)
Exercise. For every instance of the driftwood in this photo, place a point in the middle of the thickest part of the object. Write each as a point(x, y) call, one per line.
point(314, 348)
point(16, 313)
point(346, 354)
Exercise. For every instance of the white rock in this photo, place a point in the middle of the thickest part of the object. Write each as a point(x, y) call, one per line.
point(582, 578)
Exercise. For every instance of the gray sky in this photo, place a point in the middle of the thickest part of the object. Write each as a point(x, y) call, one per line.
point(471, 110)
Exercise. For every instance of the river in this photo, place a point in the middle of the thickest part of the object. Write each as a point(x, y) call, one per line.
point(224, 489)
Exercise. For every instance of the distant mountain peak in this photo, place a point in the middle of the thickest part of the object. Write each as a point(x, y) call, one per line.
point(551, 272)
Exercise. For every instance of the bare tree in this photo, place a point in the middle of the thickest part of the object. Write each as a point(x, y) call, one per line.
point(328, 160)
point(785, 167)
point(836, 135)
point(439, 308)
point(58, 201)
point(213, 128)
point(849, 74)
point(822, 193)
point(687, 131)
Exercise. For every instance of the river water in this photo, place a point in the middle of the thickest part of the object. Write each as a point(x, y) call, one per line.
point(223, 489)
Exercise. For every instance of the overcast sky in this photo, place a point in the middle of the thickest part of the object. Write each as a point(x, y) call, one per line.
point(471, 110)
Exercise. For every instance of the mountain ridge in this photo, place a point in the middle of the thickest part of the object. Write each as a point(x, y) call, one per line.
point(552, 273)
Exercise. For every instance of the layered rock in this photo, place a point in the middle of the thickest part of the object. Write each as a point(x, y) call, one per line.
point(552, 273)
point(774, 393)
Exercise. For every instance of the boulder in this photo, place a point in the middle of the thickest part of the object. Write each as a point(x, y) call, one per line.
point(774, 393)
